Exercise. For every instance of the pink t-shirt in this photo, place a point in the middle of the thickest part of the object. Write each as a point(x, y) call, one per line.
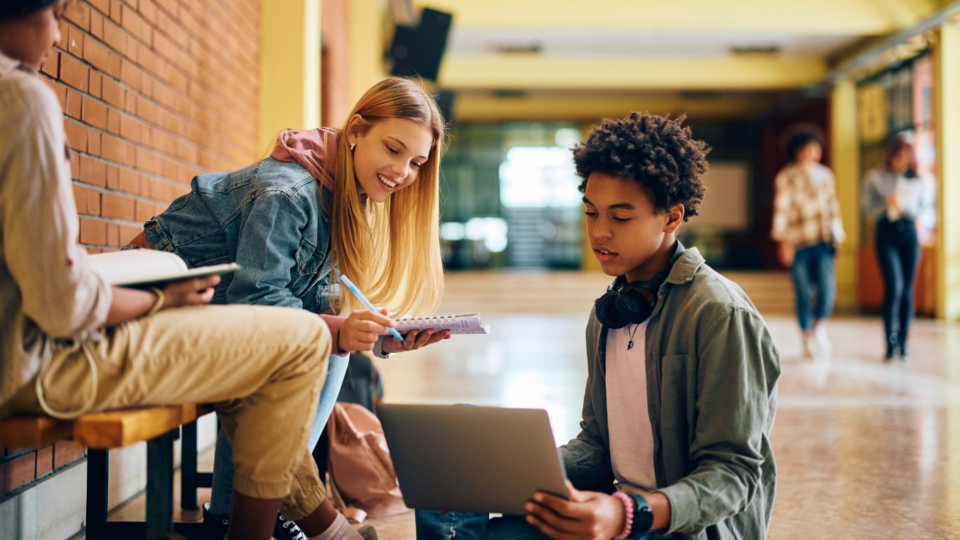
point(631, 435)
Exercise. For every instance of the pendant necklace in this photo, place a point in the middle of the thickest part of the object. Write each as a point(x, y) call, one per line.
point(635, 328)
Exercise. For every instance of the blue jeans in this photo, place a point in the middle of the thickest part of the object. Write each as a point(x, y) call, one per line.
point(898, 251)
point(813, 274)
point(223, 459)
point(433, 525)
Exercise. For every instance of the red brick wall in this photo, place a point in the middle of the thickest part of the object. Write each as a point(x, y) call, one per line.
point(154, 92)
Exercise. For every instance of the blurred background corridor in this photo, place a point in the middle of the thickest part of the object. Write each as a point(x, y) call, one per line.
point(157, 91)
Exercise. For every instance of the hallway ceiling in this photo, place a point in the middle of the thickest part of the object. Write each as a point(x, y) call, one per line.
point(589, 51)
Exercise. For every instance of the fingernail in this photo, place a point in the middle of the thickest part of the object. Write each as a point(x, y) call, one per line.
point(530, 519)
point(538, 498)
point(529, 507)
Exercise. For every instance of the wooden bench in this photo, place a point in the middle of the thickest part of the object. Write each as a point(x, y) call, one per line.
point(100, 432)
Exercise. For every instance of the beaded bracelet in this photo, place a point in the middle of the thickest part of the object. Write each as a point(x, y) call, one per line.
point(628, 508)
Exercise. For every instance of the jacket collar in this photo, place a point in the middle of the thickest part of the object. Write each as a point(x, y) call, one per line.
point(681, 271)
point(686, 267)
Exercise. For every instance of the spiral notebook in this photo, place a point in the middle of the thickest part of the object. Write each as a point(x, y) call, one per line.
point(468, 323)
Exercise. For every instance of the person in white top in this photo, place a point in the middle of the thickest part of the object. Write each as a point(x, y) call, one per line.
point(897, 200)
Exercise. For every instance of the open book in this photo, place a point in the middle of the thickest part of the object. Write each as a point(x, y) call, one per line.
point(142, 268)
point(469, 323)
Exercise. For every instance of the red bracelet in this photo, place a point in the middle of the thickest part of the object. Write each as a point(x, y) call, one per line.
point(628, 508)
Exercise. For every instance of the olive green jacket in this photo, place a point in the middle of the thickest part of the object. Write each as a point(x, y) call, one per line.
point(712, 370)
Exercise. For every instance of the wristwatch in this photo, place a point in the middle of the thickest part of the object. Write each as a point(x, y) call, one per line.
point(642, 516)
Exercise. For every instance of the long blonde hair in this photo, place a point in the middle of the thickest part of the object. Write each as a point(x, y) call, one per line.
point(391, 250)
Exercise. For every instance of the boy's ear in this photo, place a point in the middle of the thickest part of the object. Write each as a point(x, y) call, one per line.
point(674, 218)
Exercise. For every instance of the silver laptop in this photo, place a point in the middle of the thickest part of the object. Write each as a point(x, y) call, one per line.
point(477, 459)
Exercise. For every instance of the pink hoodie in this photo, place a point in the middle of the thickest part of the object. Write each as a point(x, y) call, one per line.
point(310, 149)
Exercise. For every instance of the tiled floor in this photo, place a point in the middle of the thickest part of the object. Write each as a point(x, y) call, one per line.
point(864, 449)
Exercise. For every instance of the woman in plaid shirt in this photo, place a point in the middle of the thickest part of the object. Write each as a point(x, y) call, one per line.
point(806, 223)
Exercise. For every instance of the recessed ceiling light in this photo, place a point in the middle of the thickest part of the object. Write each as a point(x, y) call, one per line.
point(518, 48)
point(770, 48)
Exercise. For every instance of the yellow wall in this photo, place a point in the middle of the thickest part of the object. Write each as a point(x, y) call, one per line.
point(366, 46)
point(845, 155)
point(947, 90)
point(289, 67)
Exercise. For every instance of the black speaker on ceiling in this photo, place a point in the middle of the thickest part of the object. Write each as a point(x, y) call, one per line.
point(445, 100)
point(416, 51)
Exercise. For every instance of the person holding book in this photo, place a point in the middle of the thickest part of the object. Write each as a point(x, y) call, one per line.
point(897, 199)
point(361, 202)
point(70, 343)
point(807, 225)
point(681, 369)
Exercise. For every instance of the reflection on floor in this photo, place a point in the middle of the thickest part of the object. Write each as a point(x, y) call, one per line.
point(864, 449)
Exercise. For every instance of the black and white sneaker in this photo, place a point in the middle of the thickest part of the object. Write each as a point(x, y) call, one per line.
point(214, 526)
point(284, 529)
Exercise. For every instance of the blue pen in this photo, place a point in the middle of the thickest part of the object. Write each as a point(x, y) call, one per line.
point(356, 292)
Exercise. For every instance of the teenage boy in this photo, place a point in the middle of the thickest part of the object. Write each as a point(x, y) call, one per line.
point(71, 343)
point(682, 372)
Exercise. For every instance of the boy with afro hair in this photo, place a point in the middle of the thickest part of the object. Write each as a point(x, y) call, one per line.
point(682, 371)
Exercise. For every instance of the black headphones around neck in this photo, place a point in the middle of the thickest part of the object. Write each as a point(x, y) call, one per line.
point(632, 303)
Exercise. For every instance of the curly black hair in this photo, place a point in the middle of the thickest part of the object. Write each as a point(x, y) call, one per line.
point(798, 138)
point(657, 152)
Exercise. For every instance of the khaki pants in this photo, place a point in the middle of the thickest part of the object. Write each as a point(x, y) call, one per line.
point(262, 367)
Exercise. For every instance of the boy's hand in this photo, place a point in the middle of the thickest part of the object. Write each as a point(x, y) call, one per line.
point(191, 292)
point(414, 340)
point(588, 515)
point(361, 329)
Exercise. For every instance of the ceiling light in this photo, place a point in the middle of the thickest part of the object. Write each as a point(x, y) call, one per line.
point(770, 48)
point(518, 48)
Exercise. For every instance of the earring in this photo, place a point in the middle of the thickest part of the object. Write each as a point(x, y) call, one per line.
point(352, 146)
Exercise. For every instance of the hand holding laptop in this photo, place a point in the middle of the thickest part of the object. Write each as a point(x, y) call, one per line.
point(587, 514)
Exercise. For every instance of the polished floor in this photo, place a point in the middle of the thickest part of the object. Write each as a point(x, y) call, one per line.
point(864, 449)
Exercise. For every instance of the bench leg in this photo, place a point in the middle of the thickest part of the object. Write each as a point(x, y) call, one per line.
point(160, 484)
point(188, 466)
point(98, 480)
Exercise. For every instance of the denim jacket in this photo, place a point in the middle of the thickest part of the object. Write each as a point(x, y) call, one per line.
point(712, 371)
point(268, 218)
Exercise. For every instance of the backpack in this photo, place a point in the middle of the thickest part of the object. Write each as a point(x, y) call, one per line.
point(361, 383)
point(361, 480)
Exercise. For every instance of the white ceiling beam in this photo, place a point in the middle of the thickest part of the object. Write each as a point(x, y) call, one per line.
point(814, 17)
point(535, 72)
point(474, 107)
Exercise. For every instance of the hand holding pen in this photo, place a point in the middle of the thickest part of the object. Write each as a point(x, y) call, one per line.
point(365, 328)
point(363, 299)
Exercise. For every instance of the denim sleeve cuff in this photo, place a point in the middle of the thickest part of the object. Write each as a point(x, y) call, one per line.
point(378, 349)
point(333, 323)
